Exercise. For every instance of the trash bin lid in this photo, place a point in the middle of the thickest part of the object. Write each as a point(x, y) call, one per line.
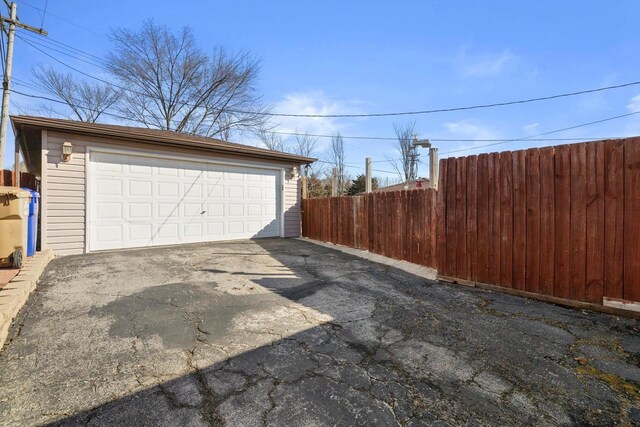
point(15, 191)
point(33, 193)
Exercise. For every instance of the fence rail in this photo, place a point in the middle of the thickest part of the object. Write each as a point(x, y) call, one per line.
point(561, 221)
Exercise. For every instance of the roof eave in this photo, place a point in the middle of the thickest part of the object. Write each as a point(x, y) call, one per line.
point(71, 127)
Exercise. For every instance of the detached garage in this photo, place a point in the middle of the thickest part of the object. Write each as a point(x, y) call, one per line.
point(109, 187)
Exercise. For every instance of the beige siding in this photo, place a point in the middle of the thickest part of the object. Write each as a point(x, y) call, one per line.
point(65, 183)
point(292, 208)
point(65, 188)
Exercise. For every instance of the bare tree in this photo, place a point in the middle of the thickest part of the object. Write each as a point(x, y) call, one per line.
point(407, 168)
point(87, 101)
point(304, 144)
point(336, 156)
point(271, 140)
point(171, 84)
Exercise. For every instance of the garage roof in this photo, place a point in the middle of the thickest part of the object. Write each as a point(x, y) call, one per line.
point(160, 137)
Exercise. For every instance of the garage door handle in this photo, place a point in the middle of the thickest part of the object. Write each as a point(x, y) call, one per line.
point(203, 212)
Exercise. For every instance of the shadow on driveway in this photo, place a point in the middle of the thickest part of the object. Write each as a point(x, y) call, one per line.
point(284, 332)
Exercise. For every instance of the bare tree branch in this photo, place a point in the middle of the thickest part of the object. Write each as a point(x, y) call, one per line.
point(87, 101)
point(173, 85)
point(336, 156)
point(408, 168)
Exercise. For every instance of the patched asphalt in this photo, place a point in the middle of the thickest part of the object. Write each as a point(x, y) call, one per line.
point(283, 332)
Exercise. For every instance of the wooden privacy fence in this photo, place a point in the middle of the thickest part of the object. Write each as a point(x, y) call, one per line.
point(399, 224)
point(27, 180)
point(562, 221)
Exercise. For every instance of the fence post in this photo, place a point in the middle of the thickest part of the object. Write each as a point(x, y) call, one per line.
point(367, 185)
point(433, 168)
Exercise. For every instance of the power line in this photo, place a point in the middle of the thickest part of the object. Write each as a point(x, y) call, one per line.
point(33, 44)
point(392, 138)
point(405, 113)
point(26, 3)
point(499, 142)
point(544, 133)
point(66, 46)
point(445, 110)
point(44, 12)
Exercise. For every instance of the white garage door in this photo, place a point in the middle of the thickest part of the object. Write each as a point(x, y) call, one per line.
point(139, 201)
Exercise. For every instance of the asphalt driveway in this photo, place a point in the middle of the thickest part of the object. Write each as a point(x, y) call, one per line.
point(284, 332)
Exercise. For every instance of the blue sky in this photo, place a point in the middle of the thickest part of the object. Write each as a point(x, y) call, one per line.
point(335, 57)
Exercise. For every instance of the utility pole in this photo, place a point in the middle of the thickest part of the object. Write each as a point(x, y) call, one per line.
point(367, 179)
point(433, 160)
point(6, 82)
point(334, 183)
point(433, 168)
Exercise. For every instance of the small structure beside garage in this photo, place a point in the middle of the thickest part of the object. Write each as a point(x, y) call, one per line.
point(109, 187)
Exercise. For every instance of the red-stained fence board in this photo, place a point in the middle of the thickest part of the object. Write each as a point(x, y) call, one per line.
point(594, 286)
point(472, 217)
point(506, 223)
point(519, 219)
point(452, 232)
point(562, 222)
point(484, 234)
point(547, 220)
point(441, 219)
point(461, 218)
point(532, 280)
point(495, 210)
point(613, 213)
point(578, 221)
point(631, 289)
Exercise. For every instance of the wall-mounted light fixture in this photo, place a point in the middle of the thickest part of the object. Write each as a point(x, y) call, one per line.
point(67, 150)
point(293, 173)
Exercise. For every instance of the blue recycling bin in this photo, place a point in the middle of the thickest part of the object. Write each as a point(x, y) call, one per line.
point(32, 223)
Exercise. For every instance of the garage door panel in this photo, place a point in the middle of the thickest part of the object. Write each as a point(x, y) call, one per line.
point(235, 191)
point(168, 189)
point(144, 170)
point(192, 190)
point(235, 227)
point(141, 233)
point(235, 177)
point(141, 201)
point(215, 191)
point(235, 209)
point(140, 188)
point(108, 187)
point(215, 229)
point(141, 210)
point(194, 229)
point(215, 210)
point(168, 231)
point(254, 193)
point(109, 210)
point(254, 209)
point(191, 210)
point(109, 233)
point(167, 210)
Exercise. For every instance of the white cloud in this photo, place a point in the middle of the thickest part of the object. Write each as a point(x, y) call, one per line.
point(485, 64)
point(314, 102)
point(531, 128)
point(634, 104)
point(468, 129)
